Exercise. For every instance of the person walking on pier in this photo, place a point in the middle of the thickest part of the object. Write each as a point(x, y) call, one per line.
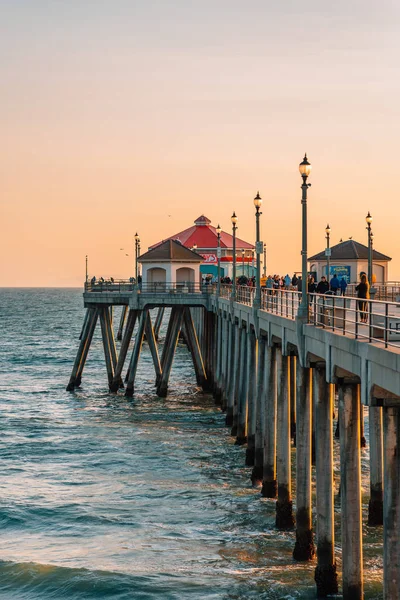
point(323, 285)
point(343, 286)
point(334, 284)
point(362, 290)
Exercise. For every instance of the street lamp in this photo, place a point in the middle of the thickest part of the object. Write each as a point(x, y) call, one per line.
point(328, 252)
point(368, 219)
point(137, 240)
point(234, 228)
point(305, 170)
point(259, 247)
point(218, 230)
point(86, 268)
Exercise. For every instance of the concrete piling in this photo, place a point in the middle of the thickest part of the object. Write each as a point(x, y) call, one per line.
point(270, 484)
point(391, 503)
point(130, 325)
point(375, 505)
point(122, 322)
point(257, 473)
point(241, 434)
point(284, 504)
point(350, 488)
point(251, 397)
point(325, 572)
point(304, 548)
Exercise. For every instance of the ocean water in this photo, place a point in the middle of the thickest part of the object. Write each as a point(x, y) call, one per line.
point(107, 497)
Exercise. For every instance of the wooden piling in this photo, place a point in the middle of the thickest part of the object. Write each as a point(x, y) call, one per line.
point(284, 504)
point(350, 489)
point(375, 506)
point(325, 572)
point(130, 325)
point(391, 503)
point(270, 486)
point(304, 549)
point(257, 472)
point(251, 397)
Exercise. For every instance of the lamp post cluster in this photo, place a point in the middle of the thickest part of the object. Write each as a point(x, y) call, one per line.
point(260, 249)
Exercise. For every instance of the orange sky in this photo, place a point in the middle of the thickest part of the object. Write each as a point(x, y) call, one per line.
point(115, 115)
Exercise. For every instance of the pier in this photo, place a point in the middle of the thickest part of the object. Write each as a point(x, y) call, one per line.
point(276, 376)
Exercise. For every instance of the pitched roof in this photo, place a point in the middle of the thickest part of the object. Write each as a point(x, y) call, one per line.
point(204, 235)
point(350, 250)
point(170, 250)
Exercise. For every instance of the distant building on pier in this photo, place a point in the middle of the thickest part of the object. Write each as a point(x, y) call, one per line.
point(202, 238)
point(348, 259)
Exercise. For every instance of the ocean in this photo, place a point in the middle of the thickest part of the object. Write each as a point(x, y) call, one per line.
point(145, 498)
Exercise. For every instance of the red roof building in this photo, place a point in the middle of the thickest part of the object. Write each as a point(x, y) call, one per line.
point(202, 237)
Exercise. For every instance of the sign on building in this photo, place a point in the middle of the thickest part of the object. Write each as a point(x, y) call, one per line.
point(341, 271)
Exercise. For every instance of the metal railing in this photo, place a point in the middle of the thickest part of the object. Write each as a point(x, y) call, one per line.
point(156, 287)
point(363, 319)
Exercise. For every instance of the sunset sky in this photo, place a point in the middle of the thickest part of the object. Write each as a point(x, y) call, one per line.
point(114, 115)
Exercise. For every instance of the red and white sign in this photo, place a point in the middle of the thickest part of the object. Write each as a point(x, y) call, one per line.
point(209, 258)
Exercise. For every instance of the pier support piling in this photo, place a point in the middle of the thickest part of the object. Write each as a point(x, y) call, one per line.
point(122, 323)
point(350, 488)
point(257, 473)
point(375, 505)
point(252, 366)
point(304, 549)
point(270, 485)
point(391, 503)
point(86, 339)
point(130, 325)
point(137, 348)
point(284, 504)
point(170, 343)
point(241, 435)
point(325, 572)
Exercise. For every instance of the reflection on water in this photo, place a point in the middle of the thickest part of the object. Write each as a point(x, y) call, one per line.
point(102, 497)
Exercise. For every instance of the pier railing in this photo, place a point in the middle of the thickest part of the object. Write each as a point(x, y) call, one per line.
point(157, 287)
point(364, 319)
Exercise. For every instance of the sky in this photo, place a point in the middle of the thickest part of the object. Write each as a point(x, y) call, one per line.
point(116, 114)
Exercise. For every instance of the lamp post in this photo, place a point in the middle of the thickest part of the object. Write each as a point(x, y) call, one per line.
point(86, 268)
point(368, 219)
point(265, 260)
point(218, 230)
point(328, 252)
point(305, 170)
point(234, 228)
point(259, 249)
point(242, 261)
point(137, 240)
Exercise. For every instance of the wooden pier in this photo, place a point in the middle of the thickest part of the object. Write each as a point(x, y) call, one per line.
point(277, 378)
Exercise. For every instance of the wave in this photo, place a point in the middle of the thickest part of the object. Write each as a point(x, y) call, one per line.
point(35, 581)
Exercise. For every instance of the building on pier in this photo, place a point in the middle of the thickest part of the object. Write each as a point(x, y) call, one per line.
point(170, 262)
point(202, 236)
point(348, 259)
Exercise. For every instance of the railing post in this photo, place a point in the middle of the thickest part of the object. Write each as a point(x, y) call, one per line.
point(386, 332)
